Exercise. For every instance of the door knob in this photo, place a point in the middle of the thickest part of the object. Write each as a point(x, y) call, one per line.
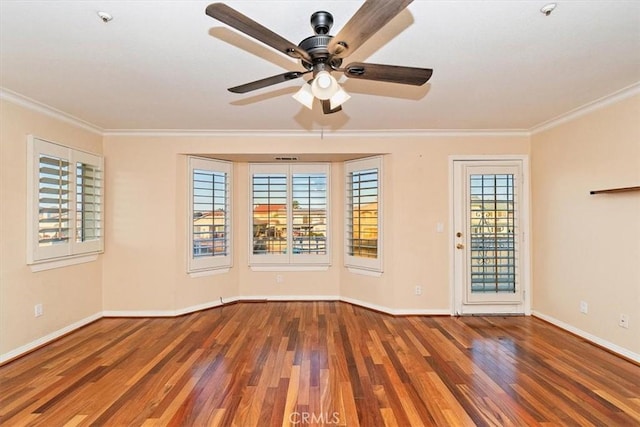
point(459, 246)
point(458, 234)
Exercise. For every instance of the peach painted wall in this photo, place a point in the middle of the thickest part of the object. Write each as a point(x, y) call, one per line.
point(587, 247)
point(145, 253)
point(144, 261)
point(143, 270)
point(68, 295)
point(416, 198)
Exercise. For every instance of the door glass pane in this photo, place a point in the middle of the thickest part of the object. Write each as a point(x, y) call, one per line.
point(492, 233)
point(269, 214)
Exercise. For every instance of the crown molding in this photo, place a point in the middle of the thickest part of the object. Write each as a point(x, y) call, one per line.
point(590, 107)
point(26, 102)
point(39, 107)
point(317, 133)
point(222, 133)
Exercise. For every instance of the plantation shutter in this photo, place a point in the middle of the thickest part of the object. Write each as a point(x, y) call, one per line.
point(363, 214)
point(64, 203)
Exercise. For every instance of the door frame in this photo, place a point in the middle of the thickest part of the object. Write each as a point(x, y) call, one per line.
point(525, 242)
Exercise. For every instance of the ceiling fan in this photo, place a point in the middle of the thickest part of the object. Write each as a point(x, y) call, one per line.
point(323, 53)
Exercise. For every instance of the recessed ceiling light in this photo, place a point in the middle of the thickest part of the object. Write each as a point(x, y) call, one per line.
point(548, 8)
point(106, 17)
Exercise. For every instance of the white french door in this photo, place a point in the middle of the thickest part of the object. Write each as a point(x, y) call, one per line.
point(489, 253)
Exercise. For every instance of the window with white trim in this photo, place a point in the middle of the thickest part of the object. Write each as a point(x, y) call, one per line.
point(64, 202)
point(363, 214)
point(210, 214)
point(289, 214)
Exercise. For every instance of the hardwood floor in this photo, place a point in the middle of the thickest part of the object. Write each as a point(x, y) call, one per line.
point(318, 363)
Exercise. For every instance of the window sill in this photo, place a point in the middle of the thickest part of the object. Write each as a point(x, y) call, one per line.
point(206, 273)
point(289, 267)
point(62, 262)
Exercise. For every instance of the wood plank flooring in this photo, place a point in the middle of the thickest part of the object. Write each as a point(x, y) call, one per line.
point(318, 363)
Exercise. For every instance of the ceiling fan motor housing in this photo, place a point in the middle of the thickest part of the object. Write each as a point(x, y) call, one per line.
point(316, 45)
point(321, 22)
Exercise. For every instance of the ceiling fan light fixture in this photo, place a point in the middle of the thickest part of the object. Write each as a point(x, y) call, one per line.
point(324, 85)
point(339, 98)
point(304, 96)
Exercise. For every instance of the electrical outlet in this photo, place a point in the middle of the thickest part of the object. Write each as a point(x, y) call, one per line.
point(584, 307)
point(37, 310)
point(418, 290)
point(624, 321)
point(279, 278)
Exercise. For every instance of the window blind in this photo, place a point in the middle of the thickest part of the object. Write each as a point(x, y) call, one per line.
point(88, 202)
point(210, 213)
point(53, 200)
point(309, 213)
point(362, 213)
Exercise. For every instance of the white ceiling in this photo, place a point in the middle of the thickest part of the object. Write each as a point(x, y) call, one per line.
point(165, 65)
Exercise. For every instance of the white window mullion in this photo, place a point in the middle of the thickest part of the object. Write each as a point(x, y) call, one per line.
point(289, 215)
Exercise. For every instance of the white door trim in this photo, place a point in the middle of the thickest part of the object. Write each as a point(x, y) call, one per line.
point(526, 225)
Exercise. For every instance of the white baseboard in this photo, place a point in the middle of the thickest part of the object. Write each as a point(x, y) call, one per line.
point(205, 306)
point(383, 309)
point(48, 338)
point(139, 313)
point(590, 337)
point(169, 313)
point(288, 298)
point(398, 312)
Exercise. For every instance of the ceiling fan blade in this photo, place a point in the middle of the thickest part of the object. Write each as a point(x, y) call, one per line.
point(259, 84)
point(388, 73)
point(326, 107)
point(371, 16)
point(242, 23)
